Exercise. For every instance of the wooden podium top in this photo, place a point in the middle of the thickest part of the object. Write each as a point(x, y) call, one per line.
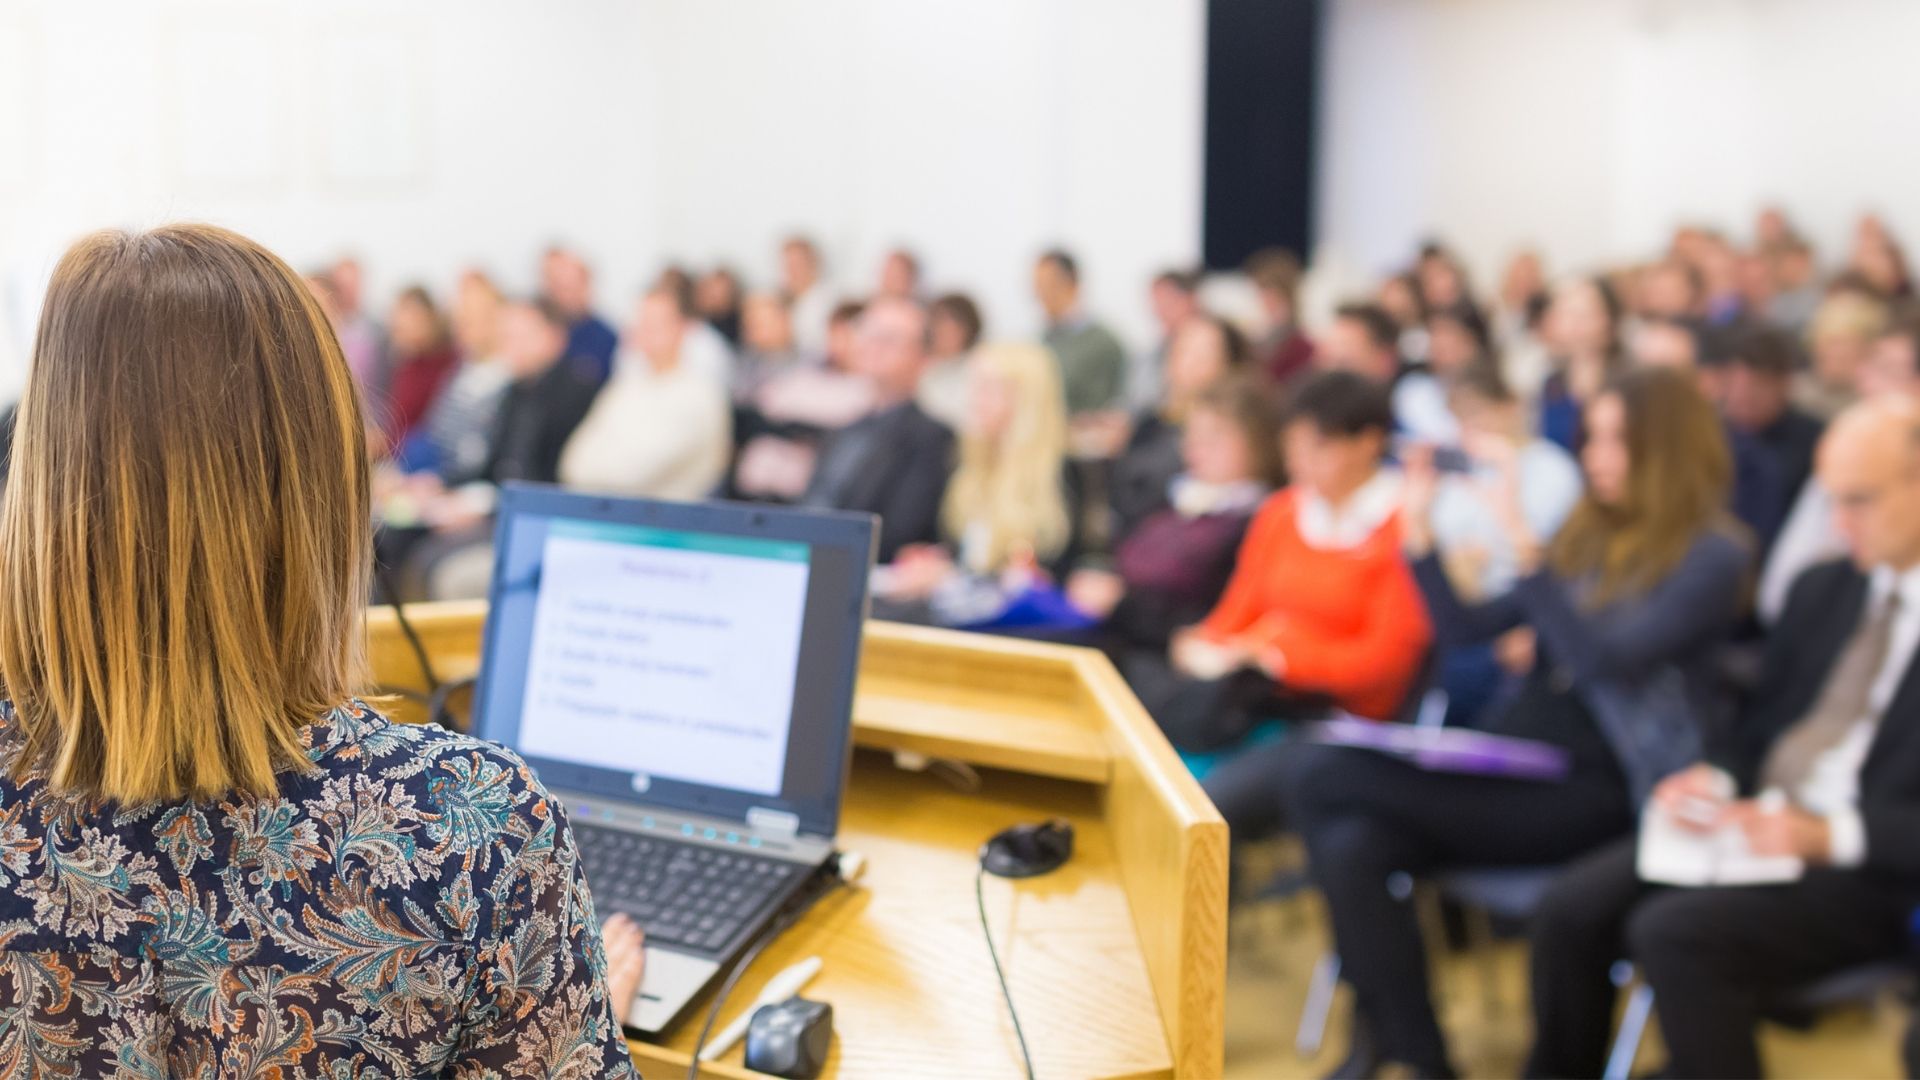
point(1116, 961)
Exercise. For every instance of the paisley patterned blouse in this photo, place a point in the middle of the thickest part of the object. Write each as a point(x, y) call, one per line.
point(412, 907)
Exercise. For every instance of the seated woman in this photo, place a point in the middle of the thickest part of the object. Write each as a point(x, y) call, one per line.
point(1005, 512)
point(423, 360)
point(1171, 569)
point(1321, 609)
point(1479, 555)
point(1581, 330)
point(1204, 350)
point(217, 858)
point(1629, 602)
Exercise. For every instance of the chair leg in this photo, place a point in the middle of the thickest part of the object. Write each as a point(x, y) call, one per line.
point(1319, 1006)
point(1480, 940)
point(1633, 1027)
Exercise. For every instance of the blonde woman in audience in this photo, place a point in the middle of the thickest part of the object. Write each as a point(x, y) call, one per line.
point(1005, 514)
point(1842, 332)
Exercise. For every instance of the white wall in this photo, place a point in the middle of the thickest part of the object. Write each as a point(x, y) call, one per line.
point(975, 131)
point(1590, 127)
point(505, 129)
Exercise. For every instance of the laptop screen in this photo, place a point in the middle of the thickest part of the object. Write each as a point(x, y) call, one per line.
point(690, 657)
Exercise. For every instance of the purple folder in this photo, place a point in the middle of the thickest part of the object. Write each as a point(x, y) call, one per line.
point(1446, 749)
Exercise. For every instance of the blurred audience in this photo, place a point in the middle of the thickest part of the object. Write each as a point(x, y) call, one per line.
point(895, 461)
point(1174, 297)
point(1004, 521)
point(1284, 350)
point(567, 283)
point(658, 429)
point(423, 361)
point(954, 327)
point(1321, 608)
point(1629, 603)
point(1815, 769)
point(1170, 568)
point(1093, 366)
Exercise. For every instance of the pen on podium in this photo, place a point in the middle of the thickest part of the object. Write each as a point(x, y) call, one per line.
point(779, 988)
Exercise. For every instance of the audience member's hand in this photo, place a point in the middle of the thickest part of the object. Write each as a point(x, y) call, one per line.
point(1783, 830)
point(449, 513)
point(1697, 797)
point(1421, 481)
point(1516, 651)
point(1096, 592)
point(1023, 569)
point(625, 947)
point(1100, 435)
point(1200, 657)
point(918, 570)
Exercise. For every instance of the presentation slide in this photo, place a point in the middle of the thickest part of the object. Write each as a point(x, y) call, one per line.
point(666, 654)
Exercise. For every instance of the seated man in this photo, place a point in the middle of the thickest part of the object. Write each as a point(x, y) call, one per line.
point(1093, 365)
point(894, 461)
point(1891, 368)
point(659, 428)
point(1832, 739)
point(1321, 608)
point(1758, 403)
point(551, 391)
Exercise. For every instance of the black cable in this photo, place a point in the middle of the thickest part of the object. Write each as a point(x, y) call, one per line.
point(768, 935)
point(980, 898)
point(437, 709)
point(406, 626)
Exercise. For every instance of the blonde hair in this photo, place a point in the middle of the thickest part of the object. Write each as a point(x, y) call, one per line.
point(185, 536)
point(1012, 485)
point(1847, 315)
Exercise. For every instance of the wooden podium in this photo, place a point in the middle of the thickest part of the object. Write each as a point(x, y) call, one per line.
point(1117, 961)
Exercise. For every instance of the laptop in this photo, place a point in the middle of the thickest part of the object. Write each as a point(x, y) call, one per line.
point(680, 676)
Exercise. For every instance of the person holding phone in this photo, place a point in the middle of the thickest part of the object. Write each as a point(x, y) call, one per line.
point(1637, 589)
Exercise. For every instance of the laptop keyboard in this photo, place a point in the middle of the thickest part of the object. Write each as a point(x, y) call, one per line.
point(686, 895)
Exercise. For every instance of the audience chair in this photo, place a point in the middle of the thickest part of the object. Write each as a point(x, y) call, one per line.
point(1854, 986)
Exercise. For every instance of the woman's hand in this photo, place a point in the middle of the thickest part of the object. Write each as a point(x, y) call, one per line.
point(1199, 657)
point(1516, 651)
point(1101, 435)
point(918, 571)
point(1420, 482)
point(625, 948)
point(1501, 492)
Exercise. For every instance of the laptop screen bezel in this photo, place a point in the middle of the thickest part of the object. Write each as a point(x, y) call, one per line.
point(833, 625)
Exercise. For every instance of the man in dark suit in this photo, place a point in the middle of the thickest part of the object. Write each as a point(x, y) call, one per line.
point(1832, 738)
point(895, 461)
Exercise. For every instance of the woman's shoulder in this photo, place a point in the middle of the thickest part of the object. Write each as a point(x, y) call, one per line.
point(472, 793)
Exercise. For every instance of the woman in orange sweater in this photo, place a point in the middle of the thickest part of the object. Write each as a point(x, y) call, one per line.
point(1322, 609)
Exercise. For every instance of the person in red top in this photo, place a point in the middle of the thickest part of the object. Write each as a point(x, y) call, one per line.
point(1322, 610)
point(424, 359)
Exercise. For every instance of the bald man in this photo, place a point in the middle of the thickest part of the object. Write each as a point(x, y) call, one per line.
point(1823, 764)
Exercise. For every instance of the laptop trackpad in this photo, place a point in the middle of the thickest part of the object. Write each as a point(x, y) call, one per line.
point(671, 979)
